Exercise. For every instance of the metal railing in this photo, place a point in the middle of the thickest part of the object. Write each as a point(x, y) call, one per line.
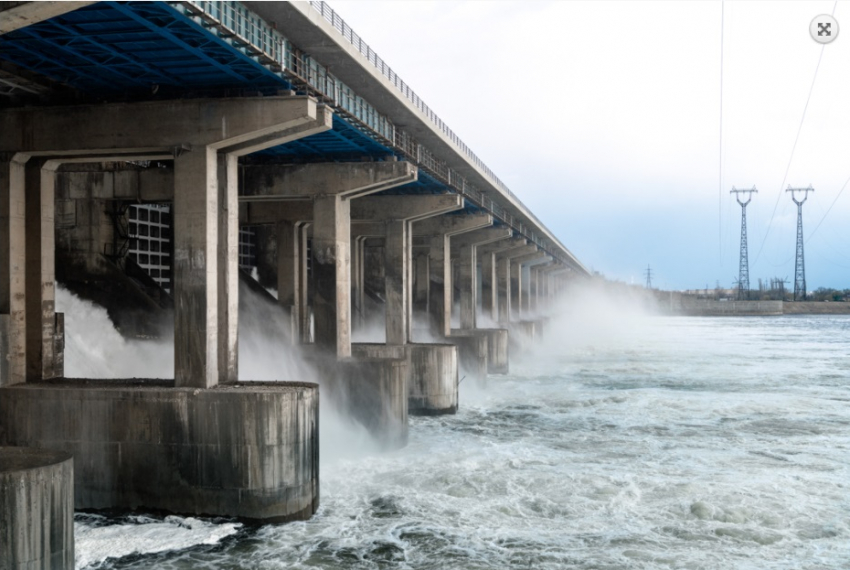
point(244, 30)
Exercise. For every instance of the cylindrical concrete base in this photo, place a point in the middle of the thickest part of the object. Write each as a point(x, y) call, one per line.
point(432, 387)
point(497, 351)
point(247, 450)
point(36, 509)
point(523, 333)
point(375, 390)
point(432, 373)
point(472, 353)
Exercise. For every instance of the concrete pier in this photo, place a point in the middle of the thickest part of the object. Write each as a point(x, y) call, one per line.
point(248, 450)
point(432, 382)
point(36, 509)
point(374, 391)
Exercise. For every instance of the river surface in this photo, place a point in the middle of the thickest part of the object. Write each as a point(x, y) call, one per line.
point(621, 442)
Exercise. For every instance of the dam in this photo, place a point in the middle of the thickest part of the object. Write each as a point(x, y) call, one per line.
point(155, 155)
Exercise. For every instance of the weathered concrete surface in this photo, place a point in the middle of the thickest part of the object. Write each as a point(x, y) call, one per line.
point(702, 307)
point(523, 333)
point(472, 351)
point(374, 391)
point(248, 450)
point(432, 374)
point(497, 350)
point(36, 509)
point(17, 15)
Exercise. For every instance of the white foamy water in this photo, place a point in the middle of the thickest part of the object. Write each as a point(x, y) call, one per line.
point(623, 441)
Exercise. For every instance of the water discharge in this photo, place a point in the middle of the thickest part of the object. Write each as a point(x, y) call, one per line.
point(622, 440)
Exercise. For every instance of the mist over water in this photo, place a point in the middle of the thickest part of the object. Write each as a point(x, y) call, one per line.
point(621, 440)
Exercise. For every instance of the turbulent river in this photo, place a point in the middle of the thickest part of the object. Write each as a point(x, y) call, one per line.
point(622, 441)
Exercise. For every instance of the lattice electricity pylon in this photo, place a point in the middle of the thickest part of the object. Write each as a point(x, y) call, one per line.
point(648, 277)
point(743, 262)
point(799, 262)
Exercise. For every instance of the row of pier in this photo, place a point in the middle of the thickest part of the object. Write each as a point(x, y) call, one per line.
point(206, 443)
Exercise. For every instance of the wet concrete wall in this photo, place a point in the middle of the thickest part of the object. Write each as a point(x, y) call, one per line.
point(36, 509)
point(248, 450)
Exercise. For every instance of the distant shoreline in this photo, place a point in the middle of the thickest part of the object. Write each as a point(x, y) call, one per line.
point(815, 308)
point(711, 308)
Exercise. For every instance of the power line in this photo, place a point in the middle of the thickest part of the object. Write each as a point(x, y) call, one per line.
point(720, 149)
point(828, 210)
point(794, 147)
point(791, 158)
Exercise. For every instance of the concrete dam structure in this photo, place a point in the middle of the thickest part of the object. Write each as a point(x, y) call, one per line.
point(154, 154)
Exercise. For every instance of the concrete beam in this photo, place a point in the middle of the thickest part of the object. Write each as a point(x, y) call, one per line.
point(370, 210)
point(528, 259)
point(501, 245)
point(225, 125)
point(481, 237)
point(273, 182)
point(452, 225)
point(23, 14)
point(409, 208)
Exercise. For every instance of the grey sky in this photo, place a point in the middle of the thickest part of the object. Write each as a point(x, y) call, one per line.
point(604, 117)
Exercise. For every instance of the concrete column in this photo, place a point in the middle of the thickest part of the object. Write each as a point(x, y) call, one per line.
point(489, 290)
point(361, 279)
point(503, 276)
point(516, 288)
point(356, 268)
point(196, 283)
point(331, 273)
point(42, 359)
point(468, 289)
point(228, 268)
point(525, 264)
point(441, 284)
point(289, 274)
point(421, 274)
point(396, 281)
point(12, 269)
point(303, 298)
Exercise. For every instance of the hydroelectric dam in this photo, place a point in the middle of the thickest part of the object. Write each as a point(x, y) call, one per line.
point(163, 158)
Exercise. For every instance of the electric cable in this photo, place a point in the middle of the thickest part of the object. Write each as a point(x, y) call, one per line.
point(794, 147)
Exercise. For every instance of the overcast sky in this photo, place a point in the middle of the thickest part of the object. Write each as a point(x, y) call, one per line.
point(604, 117)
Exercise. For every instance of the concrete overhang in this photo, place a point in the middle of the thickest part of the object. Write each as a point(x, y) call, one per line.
point(306, 28)
point(17, 15)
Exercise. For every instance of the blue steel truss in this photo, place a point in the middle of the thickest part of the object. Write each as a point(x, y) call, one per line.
point(139, 50)
point(143, 50)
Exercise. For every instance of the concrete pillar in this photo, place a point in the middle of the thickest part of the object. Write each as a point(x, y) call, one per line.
point(421, 274)
point(468, 289)
point(228, 268)
point(304, 294)
point(331, 273)
point(360, 276)
point(289, 274)
point(12, 269)
point(468, 268)
point(397, 254)
point(516, 288)
point(521, 268)
point(503, 276)
point(195, 269)
point(440, 284)
point(489, 292)
point(41, 350)
point(508, 300)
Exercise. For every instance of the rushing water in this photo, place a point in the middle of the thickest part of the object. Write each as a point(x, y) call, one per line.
point(621, 442)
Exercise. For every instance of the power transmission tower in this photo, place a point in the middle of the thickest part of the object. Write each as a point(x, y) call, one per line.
point(648, 277)
point(743, 263)
point(799, 262)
